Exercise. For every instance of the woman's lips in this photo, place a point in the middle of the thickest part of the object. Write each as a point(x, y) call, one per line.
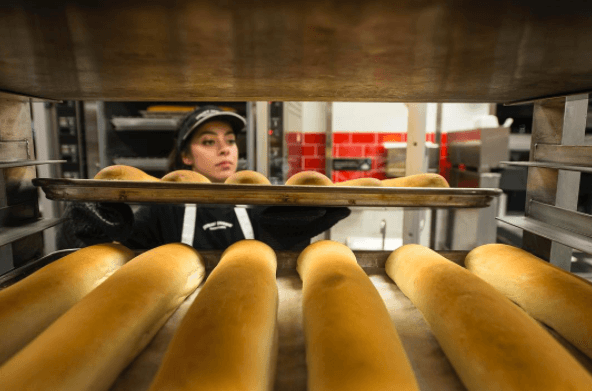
point(224, 165)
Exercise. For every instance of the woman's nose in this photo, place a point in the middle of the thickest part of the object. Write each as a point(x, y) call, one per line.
point(224, 148)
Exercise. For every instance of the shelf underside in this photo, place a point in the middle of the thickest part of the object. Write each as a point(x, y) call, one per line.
point(432, 51)
point(548, 231)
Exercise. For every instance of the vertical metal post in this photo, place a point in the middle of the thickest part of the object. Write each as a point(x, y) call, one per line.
point(414, 164)
point(250, 136)
point(91, 132)
point(80, 137)
point(261, 136)
point(47, 149)
point(559, 121)
point(102, 132)
point(329, 140)
point(439, 217)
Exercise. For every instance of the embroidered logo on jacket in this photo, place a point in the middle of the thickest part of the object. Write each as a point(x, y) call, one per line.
point(216, 225)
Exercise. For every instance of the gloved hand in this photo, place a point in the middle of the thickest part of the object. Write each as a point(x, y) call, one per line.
point(109, 220)
point(288, 227)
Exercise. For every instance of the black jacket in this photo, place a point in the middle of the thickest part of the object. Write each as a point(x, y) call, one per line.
point(216, 227)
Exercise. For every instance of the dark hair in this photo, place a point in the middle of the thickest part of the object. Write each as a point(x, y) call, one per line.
point(175, 159)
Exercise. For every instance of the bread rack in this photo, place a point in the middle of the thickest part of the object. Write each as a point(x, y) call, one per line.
point(377, 50)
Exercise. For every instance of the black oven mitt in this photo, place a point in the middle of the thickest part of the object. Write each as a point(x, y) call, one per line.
point(292, 227)
point(101, 220)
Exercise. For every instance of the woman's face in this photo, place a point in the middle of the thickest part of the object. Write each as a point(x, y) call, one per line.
point(213, 151)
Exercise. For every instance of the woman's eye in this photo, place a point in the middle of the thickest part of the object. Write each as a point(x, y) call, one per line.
point(207, 142)
point(231, 141)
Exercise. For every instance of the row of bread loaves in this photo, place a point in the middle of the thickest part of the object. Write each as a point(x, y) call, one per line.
point(304, 178)
point(228, 338)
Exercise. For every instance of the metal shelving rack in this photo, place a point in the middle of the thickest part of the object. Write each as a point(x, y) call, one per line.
point(21, 226)
point(557, 157)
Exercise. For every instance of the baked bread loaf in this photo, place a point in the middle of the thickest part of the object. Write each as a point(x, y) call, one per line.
point(88, 346)
point(227, 340)
point(351, 342)
point(247, 177)
point(360, 182)
point(124, 173)
point(309, 178)
point(491, 343)
point(549, 294)
point(32, 304)
point(187, 176)
point(418, 180)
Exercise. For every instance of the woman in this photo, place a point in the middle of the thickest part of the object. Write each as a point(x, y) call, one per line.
point(206, 143)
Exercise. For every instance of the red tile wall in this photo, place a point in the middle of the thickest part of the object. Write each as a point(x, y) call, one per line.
point(306, 151)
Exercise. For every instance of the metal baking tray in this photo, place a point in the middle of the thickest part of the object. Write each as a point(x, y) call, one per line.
point(214, 193)
point(431, 367)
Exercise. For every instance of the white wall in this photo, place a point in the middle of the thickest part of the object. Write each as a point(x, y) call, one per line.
point(462, 116)
point(369, 117)
point(314, 117)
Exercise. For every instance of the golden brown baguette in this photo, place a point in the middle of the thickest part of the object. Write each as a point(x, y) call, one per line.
point(124, 173)
point(351, 342)
point(88, 346)
point(418, 180)
point(491, 343)
point(551, 295)
point(247, 177)
point(360, 182)
point(32, 304)
point(227, 339)
point(186, 176)
point(309, 178)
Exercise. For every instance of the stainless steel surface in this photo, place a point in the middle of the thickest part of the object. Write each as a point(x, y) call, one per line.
point(15, 182)
point(143, 163)
point(251, 136)
point(26, 163)
point(142, 124)
point(519, 142)
point(550, 232)
point(9, 149)
point(212, 193)
point(569, 220)
point(542, 184)
point(564, 154)
point(12, 234)
point(6, 262)
point(102, 126)
point(482, 154)
point(328, 140)
point(91, 131)
point(261, 138)
point(9, 215)
point(432, 51)
point(572, 132)
point(549, 165)
point(396, 156)
point(469, 228)
point(415, 163)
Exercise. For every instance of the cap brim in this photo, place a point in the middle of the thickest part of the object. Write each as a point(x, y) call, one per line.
point(237, 123)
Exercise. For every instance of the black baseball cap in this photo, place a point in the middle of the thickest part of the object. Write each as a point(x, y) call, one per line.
point(203, 115)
